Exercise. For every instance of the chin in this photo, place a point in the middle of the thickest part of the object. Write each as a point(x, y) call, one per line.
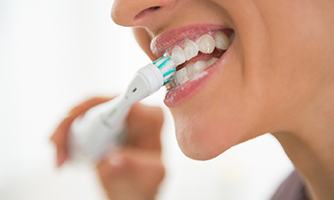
point(205, 139)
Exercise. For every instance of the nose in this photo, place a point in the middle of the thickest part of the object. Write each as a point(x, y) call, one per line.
point(139, 12)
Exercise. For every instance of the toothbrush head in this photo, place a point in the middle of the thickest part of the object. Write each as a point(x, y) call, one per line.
point(166, 66)
point(150, 79)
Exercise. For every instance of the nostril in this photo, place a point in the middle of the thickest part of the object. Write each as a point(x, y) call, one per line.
point(147, 11)
point(154, 8)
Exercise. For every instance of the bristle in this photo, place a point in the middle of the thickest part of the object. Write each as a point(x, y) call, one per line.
point(166, 66)
point(170, 72)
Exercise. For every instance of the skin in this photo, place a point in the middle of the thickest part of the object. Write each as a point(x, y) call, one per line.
point(135, 170)
point(279, 78)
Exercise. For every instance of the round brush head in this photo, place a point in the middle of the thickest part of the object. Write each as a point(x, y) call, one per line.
point(166, 66)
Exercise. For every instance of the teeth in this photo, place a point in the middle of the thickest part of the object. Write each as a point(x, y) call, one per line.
point(178, 56)
point(181, 76)
point(222, 41)
point(206, 44)
point(197, 67)
point(190, 49)
point(212, 61)
point(191, 71)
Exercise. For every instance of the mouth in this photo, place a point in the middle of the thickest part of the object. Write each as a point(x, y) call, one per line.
point(195, 50)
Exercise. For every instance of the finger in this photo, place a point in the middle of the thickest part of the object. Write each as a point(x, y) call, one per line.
point(86, 105)
point(144, 126)
point(61, 157)
point(74, 113)
point(59, 137)
point(140, 168)
point(129, 161)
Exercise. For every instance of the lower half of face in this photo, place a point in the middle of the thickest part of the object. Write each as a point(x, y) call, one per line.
point(270, 67)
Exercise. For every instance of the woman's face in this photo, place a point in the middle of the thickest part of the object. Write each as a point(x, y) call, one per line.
point(272, 71)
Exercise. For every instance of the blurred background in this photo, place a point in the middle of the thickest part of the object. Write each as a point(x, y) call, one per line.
point(56, 53)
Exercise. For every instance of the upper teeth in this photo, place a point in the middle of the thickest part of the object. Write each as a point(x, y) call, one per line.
point(205, 44)
point(222, 41)
point(178, 55)
point(190, 49)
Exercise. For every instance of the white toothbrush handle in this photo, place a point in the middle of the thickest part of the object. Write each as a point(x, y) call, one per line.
point(98, 131)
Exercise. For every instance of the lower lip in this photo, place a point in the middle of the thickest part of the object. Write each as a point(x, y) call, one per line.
point(184, 92)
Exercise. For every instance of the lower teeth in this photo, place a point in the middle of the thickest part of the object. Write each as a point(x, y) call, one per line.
point(191, 71)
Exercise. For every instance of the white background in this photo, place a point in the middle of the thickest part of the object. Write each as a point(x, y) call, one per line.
point(53, 54)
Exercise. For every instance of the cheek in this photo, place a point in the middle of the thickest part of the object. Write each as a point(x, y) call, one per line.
point(217, 118)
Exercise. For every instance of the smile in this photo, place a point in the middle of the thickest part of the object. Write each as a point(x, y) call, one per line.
point(194, 50)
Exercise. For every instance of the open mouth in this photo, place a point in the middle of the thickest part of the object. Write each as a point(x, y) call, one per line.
point(193, 57)
point(194, 50)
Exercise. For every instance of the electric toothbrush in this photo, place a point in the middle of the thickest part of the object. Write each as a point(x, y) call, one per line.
point(101, 128)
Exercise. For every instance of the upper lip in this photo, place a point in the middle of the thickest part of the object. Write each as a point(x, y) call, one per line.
point(168, 39)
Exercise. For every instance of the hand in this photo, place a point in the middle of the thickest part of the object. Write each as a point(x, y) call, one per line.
point(133, 172)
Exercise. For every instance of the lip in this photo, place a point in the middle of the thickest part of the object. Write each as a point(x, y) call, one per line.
point(181, 93)
point(164, 41)
point(170, 38)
